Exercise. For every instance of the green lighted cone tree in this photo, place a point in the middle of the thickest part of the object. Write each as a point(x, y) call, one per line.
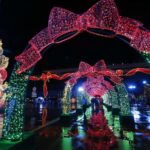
point(123, 100)
point(15, 99)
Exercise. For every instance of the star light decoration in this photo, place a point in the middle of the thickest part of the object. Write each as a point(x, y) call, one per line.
point(103, 16)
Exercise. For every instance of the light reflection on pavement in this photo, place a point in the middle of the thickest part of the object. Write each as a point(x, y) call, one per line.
point(56, 137)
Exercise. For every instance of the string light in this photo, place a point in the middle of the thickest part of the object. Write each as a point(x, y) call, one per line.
point(15, 99)
point(13, 123)
point(114, 99)
point(66, 98)
point(3, 75)
point(123, 100)
point(62, 21)
point(118, 99)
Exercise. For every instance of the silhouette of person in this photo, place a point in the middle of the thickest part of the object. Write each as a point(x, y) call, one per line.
point(95, 103)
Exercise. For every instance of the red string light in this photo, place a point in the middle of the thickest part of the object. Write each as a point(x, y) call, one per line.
point(103, 15)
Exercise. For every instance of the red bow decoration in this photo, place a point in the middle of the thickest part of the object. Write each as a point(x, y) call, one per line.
point(99, 69)
point(66, 75)
point(45, 78)
point(103, 15)
point(86, 70)
point(111, 75)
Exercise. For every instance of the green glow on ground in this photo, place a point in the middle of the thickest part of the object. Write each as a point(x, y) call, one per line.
point(66, 142)
point(7, 145)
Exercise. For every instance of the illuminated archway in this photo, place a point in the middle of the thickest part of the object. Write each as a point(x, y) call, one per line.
point(63, 25)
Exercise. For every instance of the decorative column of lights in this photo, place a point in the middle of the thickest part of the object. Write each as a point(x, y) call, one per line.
point(114, 99)
point(13, 116)
point(107, 99)
point(3, 85)
point(113, 121)
point(3, 75)
point(129, 136)
point(116, 126)
point(66, 98)
point(108, 115)
point(123, 100)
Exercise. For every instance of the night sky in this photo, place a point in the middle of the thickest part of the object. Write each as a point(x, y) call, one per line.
point(20, 20)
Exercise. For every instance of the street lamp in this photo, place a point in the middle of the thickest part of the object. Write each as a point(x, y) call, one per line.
point(81, 89)
point(144, 82)
point(131, 87)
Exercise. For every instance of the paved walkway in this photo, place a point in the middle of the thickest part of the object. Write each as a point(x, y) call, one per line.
point(55, 136)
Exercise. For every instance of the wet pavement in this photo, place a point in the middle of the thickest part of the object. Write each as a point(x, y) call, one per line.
point(33, 114)
point(57, 136)
point(142, 127)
